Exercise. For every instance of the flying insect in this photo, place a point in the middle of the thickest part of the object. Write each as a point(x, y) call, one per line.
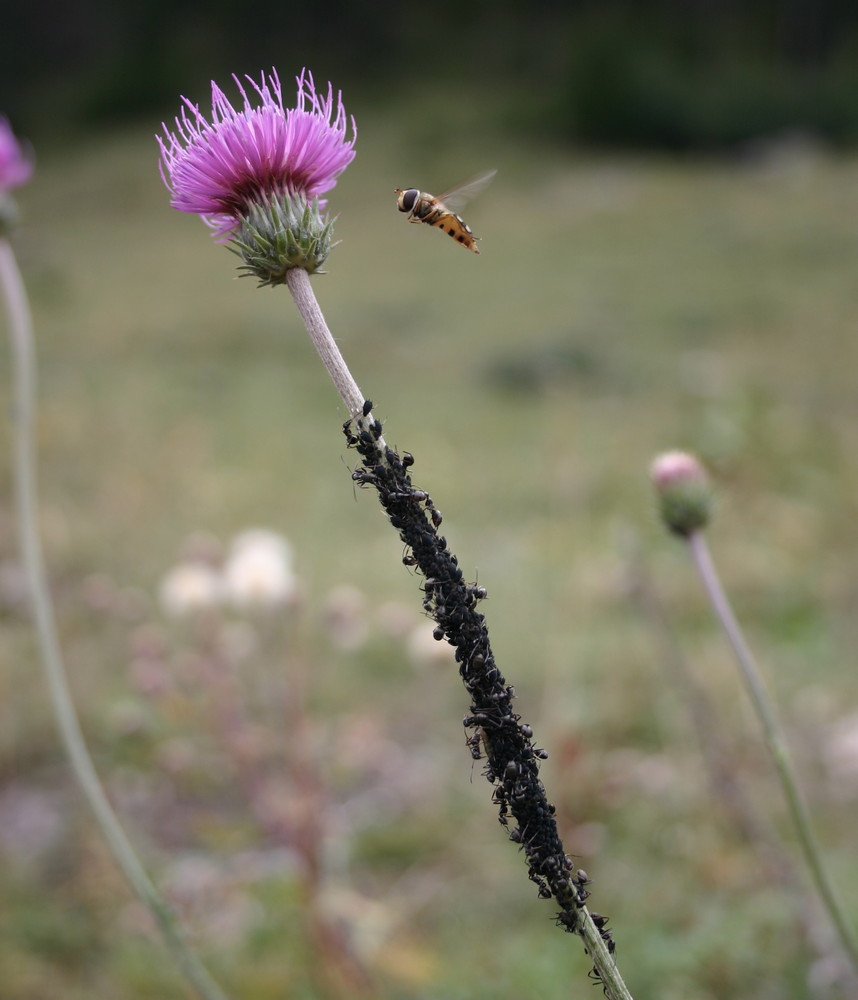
point(440, 210)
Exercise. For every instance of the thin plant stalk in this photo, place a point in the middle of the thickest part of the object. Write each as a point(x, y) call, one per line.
point(775, 741)
point(305, 299)
point(299, 285)
point(26, 494)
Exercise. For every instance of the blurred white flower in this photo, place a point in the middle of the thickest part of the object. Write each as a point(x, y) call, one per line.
point(189, 588)
point(840, 751)
point(258, 571)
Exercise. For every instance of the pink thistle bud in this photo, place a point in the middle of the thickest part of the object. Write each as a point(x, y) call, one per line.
point(255, 174)
point(683, 490)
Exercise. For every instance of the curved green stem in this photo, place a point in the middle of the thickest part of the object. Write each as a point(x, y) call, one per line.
point(774, 739)
point(23, 407)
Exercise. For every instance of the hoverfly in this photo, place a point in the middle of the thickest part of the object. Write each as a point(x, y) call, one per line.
point(440, 211)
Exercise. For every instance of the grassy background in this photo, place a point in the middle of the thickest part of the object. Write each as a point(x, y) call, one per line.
point(620, 306)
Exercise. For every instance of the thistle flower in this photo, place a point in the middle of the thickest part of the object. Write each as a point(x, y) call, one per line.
point(16, 167)
point(255, 174)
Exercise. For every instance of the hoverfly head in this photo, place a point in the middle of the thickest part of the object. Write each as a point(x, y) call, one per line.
point(407, 199)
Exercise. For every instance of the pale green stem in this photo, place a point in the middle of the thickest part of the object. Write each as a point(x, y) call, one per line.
point(23, 408)
point(305, 299)
point(774, 739)
point(603, 961)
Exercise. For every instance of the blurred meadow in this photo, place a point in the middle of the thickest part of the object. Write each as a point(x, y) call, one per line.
point(296, 777)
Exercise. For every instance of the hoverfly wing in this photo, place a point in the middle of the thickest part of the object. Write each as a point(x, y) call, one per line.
point(456, 198)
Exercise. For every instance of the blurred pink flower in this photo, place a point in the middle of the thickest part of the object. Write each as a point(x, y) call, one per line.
point(16, 166)
point(219, 169)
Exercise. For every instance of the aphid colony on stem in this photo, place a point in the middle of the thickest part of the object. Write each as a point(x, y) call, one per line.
point(499, 736)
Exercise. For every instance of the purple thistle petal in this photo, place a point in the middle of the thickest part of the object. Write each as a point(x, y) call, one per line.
point(218, 168)
point(16, 165)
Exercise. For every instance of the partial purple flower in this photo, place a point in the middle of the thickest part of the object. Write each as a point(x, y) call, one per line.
point(16, 165)
point(259, 155)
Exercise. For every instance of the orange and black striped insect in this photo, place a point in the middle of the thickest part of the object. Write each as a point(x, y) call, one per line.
point(420, 206)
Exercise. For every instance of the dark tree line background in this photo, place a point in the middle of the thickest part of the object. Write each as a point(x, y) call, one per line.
point(670, 74)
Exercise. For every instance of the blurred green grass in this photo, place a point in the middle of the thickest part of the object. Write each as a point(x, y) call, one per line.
point(620, 306)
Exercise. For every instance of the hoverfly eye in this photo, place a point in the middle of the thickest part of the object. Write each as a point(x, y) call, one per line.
point(406, 201)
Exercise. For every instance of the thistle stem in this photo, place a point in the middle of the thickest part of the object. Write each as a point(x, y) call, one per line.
point(774, 739)
point(26, 496)
point(512, 763)
point(603, 961)
point(305, 299)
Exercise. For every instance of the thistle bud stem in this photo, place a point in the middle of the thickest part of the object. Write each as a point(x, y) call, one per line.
point(775, 741)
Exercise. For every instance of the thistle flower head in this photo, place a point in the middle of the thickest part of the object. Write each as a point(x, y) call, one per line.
point(16, 166)
point(255, 173)
point(683, 490)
